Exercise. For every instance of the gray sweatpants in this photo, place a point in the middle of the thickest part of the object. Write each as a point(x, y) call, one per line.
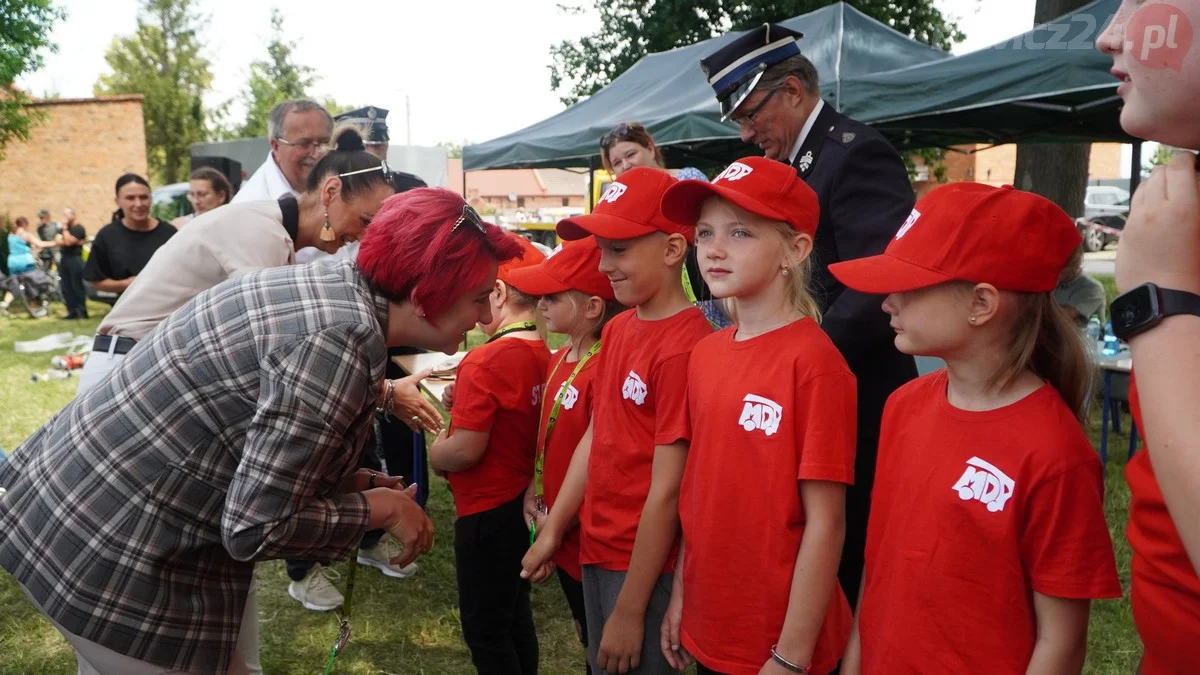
point(600, 590)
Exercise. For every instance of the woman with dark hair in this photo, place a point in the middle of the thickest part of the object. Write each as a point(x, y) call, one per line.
point(21, 245)
point(207, 189)
point(231, 435)
point(344, 191)
point(122, 248)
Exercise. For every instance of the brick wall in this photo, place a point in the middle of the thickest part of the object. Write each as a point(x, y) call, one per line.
point(73, 159)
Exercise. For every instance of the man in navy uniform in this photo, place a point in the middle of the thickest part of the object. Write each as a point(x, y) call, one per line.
point(771, 91)
point(373, 122)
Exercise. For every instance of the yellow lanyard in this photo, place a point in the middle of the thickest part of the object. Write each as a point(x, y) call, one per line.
point(544, 436)
point(513, 328)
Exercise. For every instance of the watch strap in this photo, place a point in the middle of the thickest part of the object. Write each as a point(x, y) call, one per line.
point(1172, 302)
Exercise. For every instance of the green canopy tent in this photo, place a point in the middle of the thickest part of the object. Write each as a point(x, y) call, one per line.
point(1047, 85)
point(668, 93)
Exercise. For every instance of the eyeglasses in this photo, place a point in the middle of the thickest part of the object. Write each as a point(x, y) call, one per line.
point(306, 144)
point(383, 166)
point(621, 132)
point(749, 118)
point(470, 216)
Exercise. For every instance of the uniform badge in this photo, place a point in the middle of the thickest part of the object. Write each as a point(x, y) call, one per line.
point(847, 137)
point(371, 113)
point(806, 161)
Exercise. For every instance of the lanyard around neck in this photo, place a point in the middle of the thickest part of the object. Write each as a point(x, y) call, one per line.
point(544, 437)
point(513, 328)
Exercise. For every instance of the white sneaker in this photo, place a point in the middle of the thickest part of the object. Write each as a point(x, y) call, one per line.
point(315, 591)
point(378, 557)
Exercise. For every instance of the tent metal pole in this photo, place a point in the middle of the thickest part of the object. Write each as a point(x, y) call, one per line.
point(591, 181)
point(1135, 171)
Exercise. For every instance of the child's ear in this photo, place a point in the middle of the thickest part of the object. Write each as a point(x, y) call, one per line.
point(985, 303)
point(499, 293)
point(594, 308)
point(676, 249)
point(801, 248)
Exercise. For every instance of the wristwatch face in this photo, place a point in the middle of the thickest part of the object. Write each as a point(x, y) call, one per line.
point(1134, 311)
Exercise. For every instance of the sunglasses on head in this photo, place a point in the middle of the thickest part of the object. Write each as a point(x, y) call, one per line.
point(621, 132)
point(383, 166)
point(470, 216)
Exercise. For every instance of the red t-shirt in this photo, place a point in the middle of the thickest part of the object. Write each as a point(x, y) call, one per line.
point(1166, 590)
point(573, 418)
point(765, 413)
point(971, 513)
point(498, 390)
point(640, 402)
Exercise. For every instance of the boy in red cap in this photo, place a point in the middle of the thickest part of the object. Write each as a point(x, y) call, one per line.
point(576, 301)
point(772, 431)
point(630, 519)
point(986, 540)
point(487, 456)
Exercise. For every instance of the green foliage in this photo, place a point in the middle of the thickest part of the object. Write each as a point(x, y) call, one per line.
point(630, 29)
point(453, 150)
point(1162, 155)
point(25, 27)
point(276, 79)
point(162, 60)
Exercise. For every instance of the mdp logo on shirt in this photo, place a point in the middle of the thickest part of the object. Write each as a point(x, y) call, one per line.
point(984, 483)
point(613, 193)
point(908, 223)
point(634, 389)
point(568, 396)
point(735, 171)
point(537, 394)
point(760, 413)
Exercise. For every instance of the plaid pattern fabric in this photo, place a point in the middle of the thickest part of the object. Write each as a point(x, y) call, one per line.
point(136, 514)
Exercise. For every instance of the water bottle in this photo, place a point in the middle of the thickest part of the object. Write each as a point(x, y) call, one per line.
point(1112, 346)
point(1094, 331)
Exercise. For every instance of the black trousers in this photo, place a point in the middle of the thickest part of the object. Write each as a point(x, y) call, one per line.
point(858, 507)
point(573, 590)
point(701, 670)
point(493, 599)
point(398, 444)
point(70, 270)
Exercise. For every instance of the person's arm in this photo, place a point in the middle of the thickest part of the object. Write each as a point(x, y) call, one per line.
point(815, 575)
point(1061, 635)
point(458, 452)
point(563, 516)
point(621, 643)
point(852, 659)
point(867, 207)
point(670, 643)
point(98, 269)
point(33, 241)
point(113, 285)
point(1159, 244)
point(316, 397)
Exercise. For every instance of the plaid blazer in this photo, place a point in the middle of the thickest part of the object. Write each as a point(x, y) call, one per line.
point(135, 515)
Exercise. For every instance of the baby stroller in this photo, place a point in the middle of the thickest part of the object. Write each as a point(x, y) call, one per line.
point(35, 290)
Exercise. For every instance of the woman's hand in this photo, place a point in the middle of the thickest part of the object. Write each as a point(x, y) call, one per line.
point(1162, 236)
point(411, 406)
point(366, 479)
point(404, 519)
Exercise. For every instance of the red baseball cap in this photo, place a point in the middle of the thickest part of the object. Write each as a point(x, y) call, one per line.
point(628, 209)
point(530, 256)
point(1014, 240)
point(759, 185)
point(573, 266)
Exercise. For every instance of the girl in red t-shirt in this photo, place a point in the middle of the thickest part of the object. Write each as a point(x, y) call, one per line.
point(986, 540)
point(577, 301)
point(771, 405)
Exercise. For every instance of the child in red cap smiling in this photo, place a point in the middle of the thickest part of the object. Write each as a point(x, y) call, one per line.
point(987, 538)
point(487, 455)
point(772, 430)
point(577, 301)
point(630, 518)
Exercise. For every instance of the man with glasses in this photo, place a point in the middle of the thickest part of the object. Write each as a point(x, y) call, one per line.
point(299, 131)
point(772, 92)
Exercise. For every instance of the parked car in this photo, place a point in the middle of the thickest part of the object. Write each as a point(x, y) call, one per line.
point(1104, 219)
point(170, 201)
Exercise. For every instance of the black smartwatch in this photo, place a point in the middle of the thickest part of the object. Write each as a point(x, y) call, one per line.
point(1144, 307)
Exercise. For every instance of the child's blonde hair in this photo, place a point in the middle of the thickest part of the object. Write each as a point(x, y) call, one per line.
point(1045, 340)
point(798, 278)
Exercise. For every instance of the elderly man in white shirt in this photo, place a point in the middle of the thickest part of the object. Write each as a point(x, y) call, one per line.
point(299, 131)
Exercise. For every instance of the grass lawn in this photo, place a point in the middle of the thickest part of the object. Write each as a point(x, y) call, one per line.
point(407, 626)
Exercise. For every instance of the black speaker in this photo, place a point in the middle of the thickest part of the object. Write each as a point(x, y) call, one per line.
point(230, 167)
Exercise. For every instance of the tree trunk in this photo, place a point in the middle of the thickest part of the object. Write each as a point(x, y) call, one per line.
point(1057, 171)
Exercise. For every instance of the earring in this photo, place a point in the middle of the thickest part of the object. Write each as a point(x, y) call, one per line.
point(972, 319)
point(327, 230)
point(785, 271)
